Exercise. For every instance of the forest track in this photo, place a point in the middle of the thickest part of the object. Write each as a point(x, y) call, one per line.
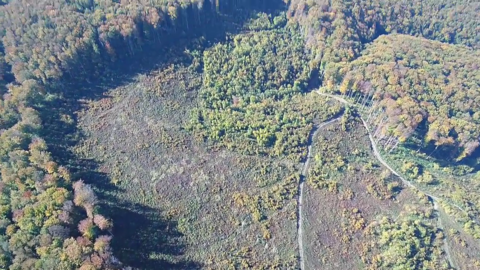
point(433, 198)
point(383, 162)
point(378, 156)
point(446, 247)
point(303, 176)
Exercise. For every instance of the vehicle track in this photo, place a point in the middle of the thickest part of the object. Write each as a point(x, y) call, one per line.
point(303, 176)
point(378, 156)
point(446, 247)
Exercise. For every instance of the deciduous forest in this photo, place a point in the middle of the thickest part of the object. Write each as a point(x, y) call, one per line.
point(239, 134)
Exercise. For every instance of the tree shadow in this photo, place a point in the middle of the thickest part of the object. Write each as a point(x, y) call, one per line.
point(138, 230)
point(444, 155)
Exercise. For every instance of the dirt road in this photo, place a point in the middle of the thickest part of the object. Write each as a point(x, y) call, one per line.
point(378, 156)
point(303, 176)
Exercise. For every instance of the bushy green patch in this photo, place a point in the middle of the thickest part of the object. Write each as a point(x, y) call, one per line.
point(252, 98)
point(409, 242)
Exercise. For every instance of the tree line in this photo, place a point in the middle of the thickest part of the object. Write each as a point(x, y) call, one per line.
point(337, 30)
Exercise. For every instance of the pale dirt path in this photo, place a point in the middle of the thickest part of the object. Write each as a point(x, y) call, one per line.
point(301, 185)
point(383, 162)
point(433, 198)
point(446, 247)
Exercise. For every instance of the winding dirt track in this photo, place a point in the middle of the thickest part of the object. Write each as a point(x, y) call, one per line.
point(303, 176)
point(433, 198)
point(384, 163)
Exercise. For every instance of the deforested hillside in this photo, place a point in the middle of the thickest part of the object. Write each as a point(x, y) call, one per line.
point(51, 217)
point(239, 134)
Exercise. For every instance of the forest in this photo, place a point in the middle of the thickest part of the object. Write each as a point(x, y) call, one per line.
point(422, 86)
point(250, 94)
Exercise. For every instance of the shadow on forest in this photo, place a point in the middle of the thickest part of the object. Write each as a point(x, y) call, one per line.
point(138, 230)
point(444, 155)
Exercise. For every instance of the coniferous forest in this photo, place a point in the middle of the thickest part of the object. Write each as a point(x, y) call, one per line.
point(239, 134)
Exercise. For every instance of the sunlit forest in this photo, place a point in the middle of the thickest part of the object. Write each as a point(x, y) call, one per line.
point(239, 134)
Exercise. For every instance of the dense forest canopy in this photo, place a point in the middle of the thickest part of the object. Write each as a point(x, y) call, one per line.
point(336, 30)
point(415, 80)
point(418, 62)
